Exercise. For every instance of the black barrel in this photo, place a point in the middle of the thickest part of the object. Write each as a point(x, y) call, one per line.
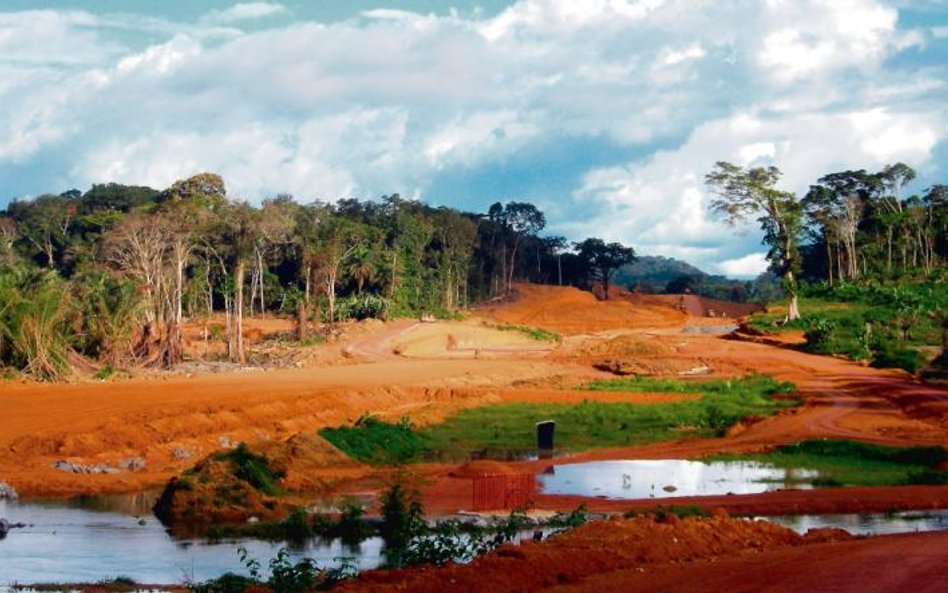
point(545, 432)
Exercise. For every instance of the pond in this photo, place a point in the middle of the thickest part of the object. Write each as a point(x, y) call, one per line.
point(666, 478)
point(91, 540)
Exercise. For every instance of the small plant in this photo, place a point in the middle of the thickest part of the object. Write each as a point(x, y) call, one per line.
point(286, 576)
point(105, 372)
point(574, 518)
point(662, 512)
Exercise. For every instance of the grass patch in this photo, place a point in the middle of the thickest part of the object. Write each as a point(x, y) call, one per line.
point(373, 441)
point(850, 463)
point(508, 430)
point(534, 333)
point(502, 430)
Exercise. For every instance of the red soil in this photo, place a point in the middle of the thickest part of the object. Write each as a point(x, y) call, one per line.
point(171, 422)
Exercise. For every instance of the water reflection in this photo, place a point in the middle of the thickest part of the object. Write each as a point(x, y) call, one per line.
point(665, 478)
point(63, 544)
point(869, 523)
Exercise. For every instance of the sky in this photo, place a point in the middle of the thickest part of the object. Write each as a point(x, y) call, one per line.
point(606, 114)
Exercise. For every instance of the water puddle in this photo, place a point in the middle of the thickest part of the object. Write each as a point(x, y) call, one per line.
point(870, 523)
point(667, 478)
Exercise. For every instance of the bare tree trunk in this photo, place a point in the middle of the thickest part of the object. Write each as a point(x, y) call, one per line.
point(331, 294)
point(260, 272)
point(239, 273)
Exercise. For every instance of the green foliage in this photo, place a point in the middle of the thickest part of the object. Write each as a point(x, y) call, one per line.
point(110, 311)
point(409, 540)
point(570, 520)
point(534, 333)
point(374, 441)
point(253, 468)
point(226, 583)
point(286, 576)
point(662, 512)
point(365, 306)
point(886, 325)
point(34, 329)
point(851, 463)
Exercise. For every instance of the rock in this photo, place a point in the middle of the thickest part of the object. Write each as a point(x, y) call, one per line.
point(616, 367)
point(7, 492)
point(182, 453)
point(132, 464)
point(78, 468)
point(6, 526)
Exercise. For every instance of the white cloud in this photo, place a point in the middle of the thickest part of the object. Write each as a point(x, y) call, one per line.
point(390, 99)
point(747, 266)
point(244, 11)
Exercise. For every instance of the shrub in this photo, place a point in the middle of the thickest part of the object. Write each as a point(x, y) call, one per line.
point(253, 469)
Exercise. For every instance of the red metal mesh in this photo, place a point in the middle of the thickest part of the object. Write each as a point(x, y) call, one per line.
point(503, 491)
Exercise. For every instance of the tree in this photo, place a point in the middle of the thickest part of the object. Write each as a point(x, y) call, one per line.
point(745, 192)
point(836, 204)
point(603, 259)
point(520, 219)
point(8, 236)
point(555, 245)
point(362, 267)
point(893, 179)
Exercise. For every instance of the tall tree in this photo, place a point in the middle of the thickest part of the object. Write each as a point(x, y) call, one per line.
point(747, 192)
point(521, 219)
point(603, 259)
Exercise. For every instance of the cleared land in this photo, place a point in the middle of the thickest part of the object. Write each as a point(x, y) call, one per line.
point(429, 371)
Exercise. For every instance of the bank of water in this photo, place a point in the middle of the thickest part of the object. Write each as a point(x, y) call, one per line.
point(667, 478)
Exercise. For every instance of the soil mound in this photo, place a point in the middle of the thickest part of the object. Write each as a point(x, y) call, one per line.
point(569, 311)
point(481, 468)
point(595, 549)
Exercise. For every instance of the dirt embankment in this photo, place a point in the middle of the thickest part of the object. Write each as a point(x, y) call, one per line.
point(593, 555)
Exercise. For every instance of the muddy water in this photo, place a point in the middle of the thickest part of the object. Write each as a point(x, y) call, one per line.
point(77, 543)
point(869, 524)
point(666, 478)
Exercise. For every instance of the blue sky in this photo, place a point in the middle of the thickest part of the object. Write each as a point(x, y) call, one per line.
point(605, 113)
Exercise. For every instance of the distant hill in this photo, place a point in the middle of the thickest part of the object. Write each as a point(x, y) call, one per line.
point(667, 275)
point(656, 271)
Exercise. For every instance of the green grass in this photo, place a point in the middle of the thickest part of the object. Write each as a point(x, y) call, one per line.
point(373, 441)
point(508, 430)
point(850, 463)
point(534, 333)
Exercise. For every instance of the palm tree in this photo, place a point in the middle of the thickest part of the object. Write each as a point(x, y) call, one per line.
point(362, 268)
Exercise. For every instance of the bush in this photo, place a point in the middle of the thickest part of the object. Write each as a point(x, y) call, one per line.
point(253, 469)
point(367, 306)
point(889, 353)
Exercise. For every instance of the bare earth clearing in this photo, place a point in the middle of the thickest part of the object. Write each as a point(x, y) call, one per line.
point(430, 370)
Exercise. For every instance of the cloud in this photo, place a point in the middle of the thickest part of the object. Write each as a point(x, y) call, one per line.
point(244, 11)
point(392, 100)
point(747, 266)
